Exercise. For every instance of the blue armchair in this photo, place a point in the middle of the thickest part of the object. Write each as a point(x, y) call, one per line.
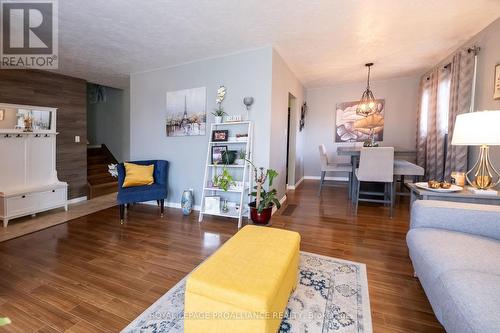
point(157, 191)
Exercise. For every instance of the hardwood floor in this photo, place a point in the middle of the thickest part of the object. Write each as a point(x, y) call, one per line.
point(95, 275)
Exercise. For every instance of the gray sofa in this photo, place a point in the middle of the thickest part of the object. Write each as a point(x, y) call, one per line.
point(455, 250)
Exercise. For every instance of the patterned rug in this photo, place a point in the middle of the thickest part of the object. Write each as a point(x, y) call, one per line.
point(332, 296)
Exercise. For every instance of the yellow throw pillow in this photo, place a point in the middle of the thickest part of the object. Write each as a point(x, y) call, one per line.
point(138, 175)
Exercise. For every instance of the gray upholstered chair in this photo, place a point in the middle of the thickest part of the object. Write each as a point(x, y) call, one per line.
point(376, 165)
point(327, 166)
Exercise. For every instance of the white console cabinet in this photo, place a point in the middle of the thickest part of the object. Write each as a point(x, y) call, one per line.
point(28, 176)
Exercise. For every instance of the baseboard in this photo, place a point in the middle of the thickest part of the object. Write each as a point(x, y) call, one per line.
point(76, 200)
point(297, 184)
point(170, 205)
point(339, 179)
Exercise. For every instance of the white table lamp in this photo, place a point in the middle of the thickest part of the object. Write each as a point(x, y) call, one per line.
point(482, 129)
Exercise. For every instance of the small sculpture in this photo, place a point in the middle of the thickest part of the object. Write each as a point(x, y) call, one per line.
point(248, 101)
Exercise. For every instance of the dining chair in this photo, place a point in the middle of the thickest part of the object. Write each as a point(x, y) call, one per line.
point(327, 166)
point(375, 165)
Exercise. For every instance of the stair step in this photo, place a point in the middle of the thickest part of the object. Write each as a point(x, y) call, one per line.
point(102, 189)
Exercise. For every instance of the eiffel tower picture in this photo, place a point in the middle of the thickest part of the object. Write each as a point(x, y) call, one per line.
point(186, 112)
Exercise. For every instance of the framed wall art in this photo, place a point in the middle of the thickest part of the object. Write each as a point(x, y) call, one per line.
point(186, 112)
point(352, 127)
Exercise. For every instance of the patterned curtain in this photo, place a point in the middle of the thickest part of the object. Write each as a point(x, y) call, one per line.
point(431, 132)
point(462, 74)
point(445, 92)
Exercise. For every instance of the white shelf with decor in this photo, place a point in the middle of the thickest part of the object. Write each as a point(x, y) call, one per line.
point(28, 176)
point(241, 173)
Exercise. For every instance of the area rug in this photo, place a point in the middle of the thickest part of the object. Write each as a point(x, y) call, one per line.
point(332, 296)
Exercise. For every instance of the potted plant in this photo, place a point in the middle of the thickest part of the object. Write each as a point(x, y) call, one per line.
point(240, 159)
point(219, 111)
point(261, 209)
point(223, 181)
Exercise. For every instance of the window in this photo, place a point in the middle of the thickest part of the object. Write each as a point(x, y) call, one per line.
point(443, 102)
point(424, 112)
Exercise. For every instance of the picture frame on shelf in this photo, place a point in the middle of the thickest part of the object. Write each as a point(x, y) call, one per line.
point(496, 91)
point(212, 205)
point(220, 135)
point(217, 154)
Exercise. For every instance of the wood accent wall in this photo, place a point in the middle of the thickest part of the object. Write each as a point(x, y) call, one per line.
point(69, 96)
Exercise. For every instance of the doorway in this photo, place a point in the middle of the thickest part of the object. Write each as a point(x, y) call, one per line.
point(290, 141)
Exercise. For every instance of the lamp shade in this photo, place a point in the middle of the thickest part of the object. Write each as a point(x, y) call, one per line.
point(477, 129)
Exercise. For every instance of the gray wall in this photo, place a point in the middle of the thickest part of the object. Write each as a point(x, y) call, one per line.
point(244, 74)
point(488, 57)
point(400, 129)
point(284, 83)
point(109, 123)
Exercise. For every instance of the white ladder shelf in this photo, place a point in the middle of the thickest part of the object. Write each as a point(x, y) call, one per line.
point(211, 169)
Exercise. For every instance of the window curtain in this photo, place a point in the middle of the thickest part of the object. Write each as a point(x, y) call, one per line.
point(445, 92)
point(462, 76)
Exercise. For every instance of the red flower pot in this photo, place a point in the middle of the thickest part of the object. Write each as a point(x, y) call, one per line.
point(261, 218)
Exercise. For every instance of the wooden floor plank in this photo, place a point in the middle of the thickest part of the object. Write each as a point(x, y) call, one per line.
point(95, 275)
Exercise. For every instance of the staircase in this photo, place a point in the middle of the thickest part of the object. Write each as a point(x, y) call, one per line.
point(99, 181)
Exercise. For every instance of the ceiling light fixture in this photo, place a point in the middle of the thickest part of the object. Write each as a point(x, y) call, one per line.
point(367, 105)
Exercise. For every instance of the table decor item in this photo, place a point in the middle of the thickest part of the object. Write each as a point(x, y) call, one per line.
point(440, 187)
point(220, 135)
point(481, 129)
point(248, 101)
point(212, 204)
point(217, 154)
point(229, 156)
point(242, 137)
point(458, 177)
point(233, 118)
point(219, 111)
point(187, 201)
point(240, 159)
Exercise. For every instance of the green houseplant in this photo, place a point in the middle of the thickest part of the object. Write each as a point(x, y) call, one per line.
point(224, 181)
point(261, 209)
point(219, 111)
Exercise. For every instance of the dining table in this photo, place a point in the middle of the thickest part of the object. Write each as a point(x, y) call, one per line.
point(355, 151)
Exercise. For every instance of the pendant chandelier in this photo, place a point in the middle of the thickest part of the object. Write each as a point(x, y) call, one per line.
point(367, 105)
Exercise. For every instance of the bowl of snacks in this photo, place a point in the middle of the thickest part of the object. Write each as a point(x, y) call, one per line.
point(437, 186)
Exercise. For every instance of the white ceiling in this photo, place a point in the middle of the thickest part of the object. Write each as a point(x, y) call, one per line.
point(323, 41)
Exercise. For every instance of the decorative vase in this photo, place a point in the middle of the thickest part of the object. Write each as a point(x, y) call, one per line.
point(187, 201)
point(260, 218)
point(218, 119)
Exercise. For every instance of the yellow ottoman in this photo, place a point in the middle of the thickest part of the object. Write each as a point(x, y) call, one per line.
point(245, 285)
